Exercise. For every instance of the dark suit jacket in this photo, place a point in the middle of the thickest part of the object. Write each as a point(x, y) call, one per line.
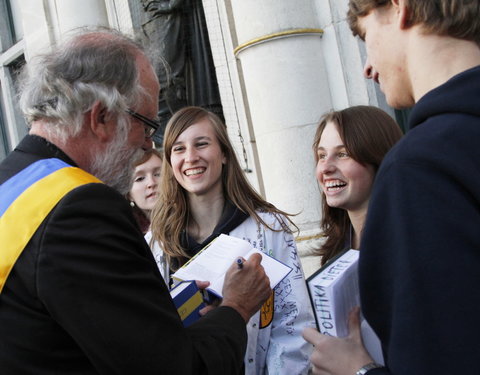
point(86, 297)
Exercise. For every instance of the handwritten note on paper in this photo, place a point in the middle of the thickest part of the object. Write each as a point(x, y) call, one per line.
point(211, 263)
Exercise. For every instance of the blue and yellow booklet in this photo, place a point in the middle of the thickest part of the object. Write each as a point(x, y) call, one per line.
point(188, 300)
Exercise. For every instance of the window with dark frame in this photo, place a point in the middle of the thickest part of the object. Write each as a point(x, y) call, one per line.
point(14, 21)
point(3, 134)
point(11, 62)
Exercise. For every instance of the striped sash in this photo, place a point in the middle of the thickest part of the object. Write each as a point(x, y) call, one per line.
point(25, 201)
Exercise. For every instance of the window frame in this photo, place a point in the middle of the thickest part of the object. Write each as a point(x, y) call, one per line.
point(12, 123)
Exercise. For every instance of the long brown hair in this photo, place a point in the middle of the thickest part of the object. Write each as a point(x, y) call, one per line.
point(367, 133)
point(171, 213)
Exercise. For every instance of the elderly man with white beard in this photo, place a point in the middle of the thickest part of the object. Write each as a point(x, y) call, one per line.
point(80, 292)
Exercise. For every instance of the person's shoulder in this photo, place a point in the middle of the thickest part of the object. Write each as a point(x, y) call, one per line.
point(435, 138)
point(274, 220)
point(94, 210)
point(269, 217)
point(447, 114)
point(95, 190)
point(95, 197)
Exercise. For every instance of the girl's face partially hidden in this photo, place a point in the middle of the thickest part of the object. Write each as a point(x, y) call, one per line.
point(345, 182)
point(144, 191)
point(197, 160)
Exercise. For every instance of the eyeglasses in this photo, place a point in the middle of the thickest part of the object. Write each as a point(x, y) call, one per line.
point(149, 126)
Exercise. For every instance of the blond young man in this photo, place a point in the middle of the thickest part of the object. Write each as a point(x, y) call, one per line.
point(420, 251)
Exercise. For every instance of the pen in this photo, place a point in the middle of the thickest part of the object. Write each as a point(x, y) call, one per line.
point(240, 263)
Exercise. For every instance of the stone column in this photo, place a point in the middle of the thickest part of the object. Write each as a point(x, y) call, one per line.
point(71, 14)
point(279, 55)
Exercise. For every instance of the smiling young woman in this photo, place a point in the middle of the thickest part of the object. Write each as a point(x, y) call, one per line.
point(205, 193)
point(349, 146)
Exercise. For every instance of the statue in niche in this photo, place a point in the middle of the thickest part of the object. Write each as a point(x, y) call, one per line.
point(187, 77)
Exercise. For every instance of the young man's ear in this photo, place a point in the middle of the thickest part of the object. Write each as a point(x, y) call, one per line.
point(403, 14)
point(100, 122)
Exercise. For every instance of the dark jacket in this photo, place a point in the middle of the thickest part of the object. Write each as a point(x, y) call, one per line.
point(86, 297)
point(231, 218)
point(420, 254)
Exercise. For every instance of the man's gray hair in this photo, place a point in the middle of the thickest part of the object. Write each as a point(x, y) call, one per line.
point(59, 87)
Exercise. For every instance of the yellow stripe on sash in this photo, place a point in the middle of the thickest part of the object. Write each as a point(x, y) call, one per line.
point(23, 217)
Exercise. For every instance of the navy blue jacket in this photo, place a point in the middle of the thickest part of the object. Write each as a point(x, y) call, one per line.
point(420, 257)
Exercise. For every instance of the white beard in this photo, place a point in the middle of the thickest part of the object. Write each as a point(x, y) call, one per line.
point(115, 166)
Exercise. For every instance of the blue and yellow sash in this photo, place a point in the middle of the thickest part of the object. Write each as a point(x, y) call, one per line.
point(25, 201)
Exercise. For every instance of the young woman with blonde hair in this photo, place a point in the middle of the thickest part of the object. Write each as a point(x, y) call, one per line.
point(204, 193)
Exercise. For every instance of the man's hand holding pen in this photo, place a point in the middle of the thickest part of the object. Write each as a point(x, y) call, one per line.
point(246, 286)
